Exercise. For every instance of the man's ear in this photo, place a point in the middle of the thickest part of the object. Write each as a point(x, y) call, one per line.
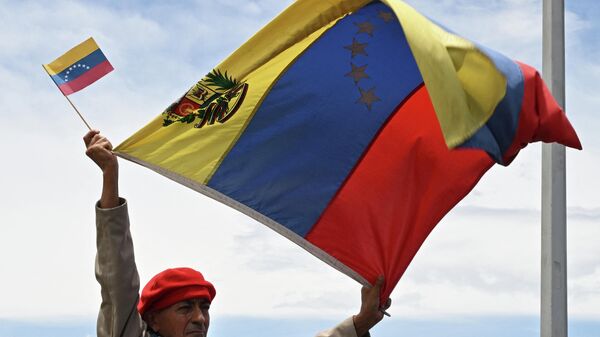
point(150, 319)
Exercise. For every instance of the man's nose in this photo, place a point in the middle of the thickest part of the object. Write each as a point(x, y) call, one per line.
point(198, 315)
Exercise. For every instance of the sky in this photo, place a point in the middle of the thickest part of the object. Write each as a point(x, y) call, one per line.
point(477, 274)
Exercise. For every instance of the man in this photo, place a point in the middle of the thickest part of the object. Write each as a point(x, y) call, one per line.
point(175, 302)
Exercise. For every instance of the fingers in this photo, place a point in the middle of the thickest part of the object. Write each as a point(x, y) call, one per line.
point(379, 283)
point(101, 141)
point(377, 287)
point(88, 136)
point(99, 149)
point(94, 139)
point(365, 290)
point(387, 304)
point(371, 309)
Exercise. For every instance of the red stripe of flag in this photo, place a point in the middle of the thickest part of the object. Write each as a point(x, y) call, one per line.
point(541, 118)
point(409, 179)
point(87, 78)
point(403, 186)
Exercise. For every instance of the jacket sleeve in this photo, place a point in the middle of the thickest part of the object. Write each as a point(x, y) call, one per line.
point(344, 329)
point(117, 274)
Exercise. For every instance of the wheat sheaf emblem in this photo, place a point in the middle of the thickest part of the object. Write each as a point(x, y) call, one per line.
point(215, 98)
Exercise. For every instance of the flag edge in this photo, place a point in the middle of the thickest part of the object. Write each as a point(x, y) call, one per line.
point(261, 218)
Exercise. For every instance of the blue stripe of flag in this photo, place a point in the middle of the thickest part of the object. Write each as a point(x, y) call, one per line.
point(315, 124)
point(79, 68)
point(498, 133)
point(496, 136)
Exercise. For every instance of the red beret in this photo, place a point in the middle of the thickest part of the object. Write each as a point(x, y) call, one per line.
point(174, 285)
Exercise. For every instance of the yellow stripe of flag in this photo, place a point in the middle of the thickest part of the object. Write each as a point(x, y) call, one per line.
point(299, 20)
point(452, 69)
point(196, 153)
point(464, 84)
point(73, 55)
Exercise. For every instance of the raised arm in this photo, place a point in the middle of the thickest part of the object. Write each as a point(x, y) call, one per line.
point(115, 262)
point(99, 149)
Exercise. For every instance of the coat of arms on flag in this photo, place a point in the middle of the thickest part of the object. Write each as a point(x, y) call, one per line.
point(214, 99)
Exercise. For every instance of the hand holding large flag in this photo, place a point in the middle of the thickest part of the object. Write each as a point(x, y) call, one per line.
point(351, 127)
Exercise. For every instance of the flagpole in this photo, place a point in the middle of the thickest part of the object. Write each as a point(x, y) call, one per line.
point(73, 105)
point(78, 113)
point(554, 244)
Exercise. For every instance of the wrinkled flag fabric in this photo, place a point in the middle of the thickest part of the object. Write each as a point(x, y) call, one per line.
point(350, 128)
point(81, 66)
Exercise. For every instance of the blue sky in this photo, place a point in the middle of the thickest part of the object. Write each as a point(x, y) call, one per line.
point(477, 274)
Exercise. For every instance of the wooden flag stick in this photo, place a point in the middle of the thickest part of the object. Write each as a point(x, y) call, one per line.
point(78, 113)
point(73, 105)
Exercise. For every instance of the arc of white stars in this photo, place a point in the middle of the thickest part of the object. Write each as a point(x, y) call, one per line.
point(367, 97)
point(78, 65)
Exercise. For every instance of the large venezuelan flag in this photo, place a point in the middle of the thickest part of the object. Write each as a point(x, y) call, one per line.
point(350, 127)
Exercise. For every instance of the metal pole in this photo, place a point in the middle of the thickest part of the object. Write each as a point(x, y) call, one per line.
point(554, 217)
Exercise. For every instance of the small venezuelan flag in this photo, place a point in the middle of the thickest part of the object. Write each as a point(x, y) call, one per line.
point(79, 67)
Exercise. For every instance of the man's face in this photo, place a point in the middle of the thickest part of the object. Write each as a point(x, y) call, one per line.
point(187, 318)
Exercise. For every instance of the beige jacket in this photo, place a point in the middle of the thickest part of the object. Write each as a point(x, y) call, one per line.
point(120, 283)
